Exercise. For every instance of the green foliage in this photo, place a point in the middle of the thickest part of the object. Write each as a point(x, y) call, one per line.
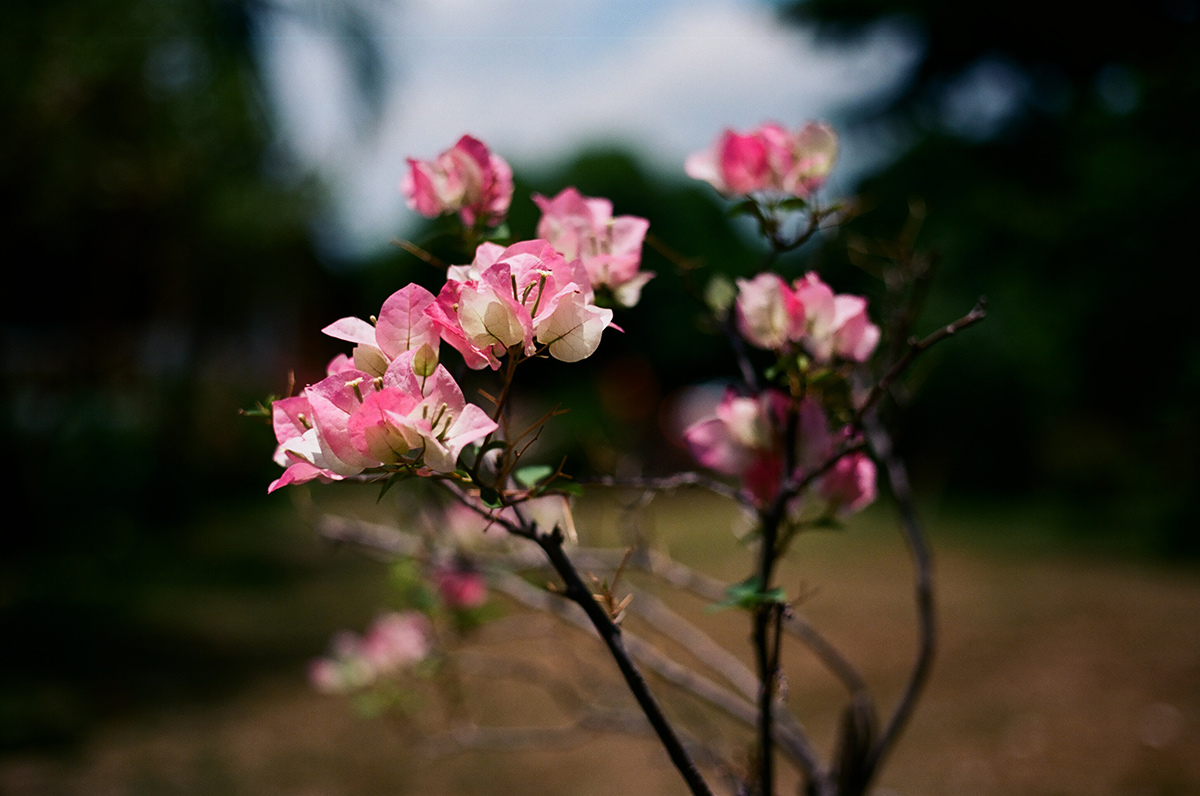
point(1073, 214)
point(749, 596)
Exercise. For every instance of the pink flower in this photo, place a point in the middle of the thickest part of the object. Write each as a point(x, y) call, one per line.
point(849, 486)
point(583, 228)
point(745, 439)
point(393, 643)
point(768, 159)
point(768, 313)
point(461, 588)
point(352, 421)
point(402, 326)
point(397, 640)
point(834, 325)
point(466, 179)
point(774, 316)
point(423, 419)
point(519, 297)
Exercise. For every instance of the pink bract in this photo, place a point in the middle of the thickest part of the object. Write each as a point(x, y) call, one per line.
point(402, 325)
point(610, 248)
point(774, 316)
point(768, 159)
point(516, 298)
point(466, 179)
point(461, 588)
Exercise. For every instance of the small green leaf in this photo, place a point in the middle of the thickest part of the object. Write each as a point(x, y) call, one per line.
point(749, 595)
point(573, 488)
point(793, 203)
point(501, 232)
point(534, 474)
point(828, 522)
point(747, 207)
point(490, 497)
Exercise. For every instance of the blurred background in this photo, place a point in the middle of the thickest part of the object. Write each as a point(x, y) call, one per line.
point(196, 187)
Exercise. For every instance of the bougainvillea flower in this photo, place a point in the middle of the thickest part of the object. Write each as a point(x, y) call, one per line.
point(768, 313)
point(518, 297)
point(394, 642)
point(466, 179)
point(807, 314)
point(311, 430)
point(582, 227)
point(835, 325)
point(460, 587)
point(352, 421)
point(769, 159)
point(424, 420)
point(744, 438)
point(402, 325)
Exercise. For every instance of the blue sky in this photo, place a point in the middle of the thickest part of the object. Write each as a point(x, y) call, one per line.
point(537, 79)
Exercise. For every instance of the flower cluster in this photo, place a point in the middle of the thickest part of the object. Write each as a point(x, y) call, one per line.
point(769, 159)
point(466, 179)
point(389, 403)
point(744, 438)
point(775, 316)
point(518, 298)
point(393, 643)
point(352, 421)
point(610, 248)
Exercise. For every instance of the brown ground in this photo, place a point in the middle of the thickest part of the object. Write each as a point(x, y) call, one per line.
point(1056, 675)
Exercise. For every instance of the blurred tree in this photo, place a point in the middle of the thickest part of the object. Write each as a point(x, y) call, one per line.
point(158, 279)
point(1055, 150)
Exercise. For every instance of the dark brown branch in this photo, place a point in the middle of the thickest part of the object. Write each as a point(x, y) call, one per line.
point(791, 738)
point(915, 347)
point(922, 559)
point(577, 591)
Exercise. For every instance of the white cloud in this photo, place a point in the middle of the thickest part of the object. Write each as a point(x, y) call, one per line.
point(535, 79)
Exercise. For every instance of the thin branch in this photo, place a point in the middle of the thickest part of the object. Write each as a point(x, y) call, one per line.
point(576, 590)
point(697, 642)
point(668, 483)
point(794, 744)
point(419, 253)
point(915, 347)
point(922, 559)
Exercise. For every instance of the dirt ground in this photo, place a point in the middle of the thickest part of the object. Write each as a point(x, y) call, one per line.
point(1055, 674)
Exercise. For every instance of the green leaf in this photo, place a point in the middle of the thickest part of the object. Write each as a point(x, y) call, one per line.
point(388, 483)
point(490, 497)
point(793, 203)
point(828, 522)
point(749, 595)
point(500, 233)
point(534, 474)
point(747, 207)
point(573, 488)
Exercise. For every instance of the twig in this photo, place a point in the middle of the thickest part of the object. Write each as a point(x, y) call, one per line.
point(915, 347)
point(419, 253)
point(922, 559)
point(574, 589)
point(669, 483)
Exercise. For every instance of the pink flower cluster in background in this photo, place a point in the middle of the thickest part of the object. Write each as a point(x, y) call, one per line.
point(466, 179)
point(769, 159)
point(610, 248)
point(393, 643)
point(461, 587)
point(774, 315)
point(744, 438)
